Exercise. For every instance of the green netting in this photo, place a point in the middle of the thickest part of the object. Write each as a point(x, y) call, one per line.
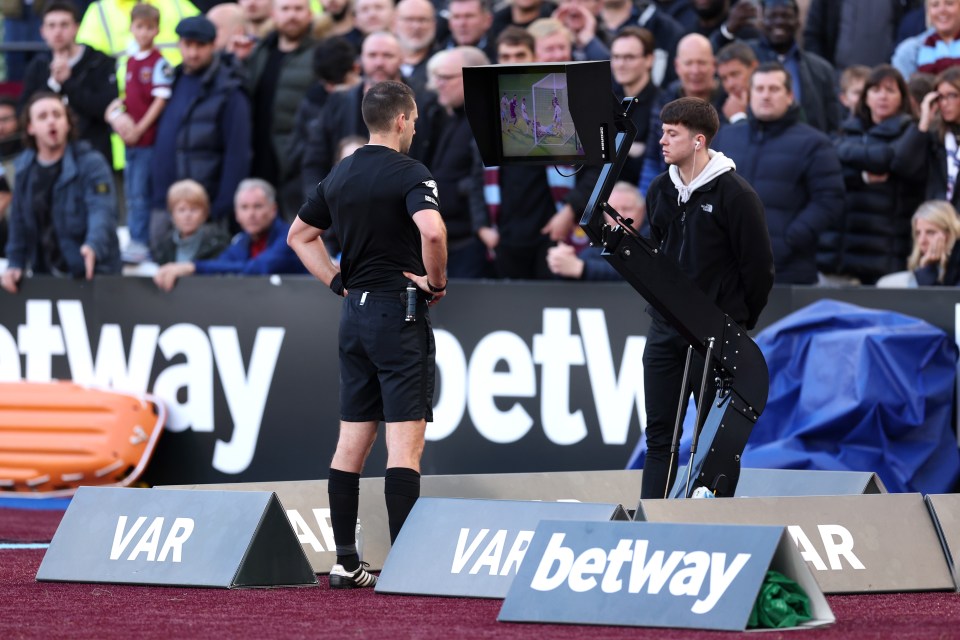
point(780, 604)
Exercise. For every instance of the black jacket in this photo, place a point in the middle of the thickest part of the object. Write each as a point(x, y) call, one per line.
point(929, 146)
point(927, 276)
point(819, 100)
point(341, 117)
point(719, 238)
point(91, 87)
point(795, 170)
point(640, 115)
point(874, 236)
point(296, 76)
point(204, 134)
point(451, 165)
point(310, 108)
point(667, 32)
point(503, 18)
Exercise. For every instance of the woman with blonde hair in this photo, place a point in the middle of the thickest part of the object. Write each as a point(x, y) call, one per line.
point(935, 260)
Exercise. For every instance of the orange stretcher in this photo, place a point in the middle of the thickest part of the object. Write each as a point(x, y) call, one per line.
point(57, 436)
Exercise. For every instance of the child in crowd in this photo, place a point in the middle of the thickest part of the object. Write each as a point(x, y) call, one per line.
point(148, 78)
point(190, 239)
point(852, 81)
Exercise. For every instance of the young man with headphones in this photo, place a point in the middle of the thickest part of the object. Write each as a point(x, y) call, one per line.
point(711, 222)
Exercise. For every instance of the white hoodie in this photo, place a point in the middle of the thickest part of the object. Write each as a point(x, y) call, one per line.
point(717, 165)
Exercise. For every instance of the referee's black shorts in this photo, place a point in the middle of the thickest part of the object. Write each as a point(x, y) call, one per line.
point(387, 365)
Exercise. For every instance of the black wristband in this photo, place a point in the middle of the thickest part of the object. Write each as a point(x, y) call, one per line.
point(434, 289)
point(336, 284)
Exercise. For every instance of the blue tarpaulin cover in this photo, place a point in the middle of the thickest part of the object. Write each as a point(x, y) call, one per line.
point(855, 389)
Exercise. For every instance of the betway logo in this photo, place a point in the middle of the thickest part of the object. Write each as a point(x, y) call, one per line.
point(605, 568)
point(186, 387)
point(502, 367)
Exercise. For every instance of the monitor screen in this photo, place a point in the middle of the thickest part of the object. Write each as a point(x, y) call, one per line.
point(545, 113)
point(535, 119)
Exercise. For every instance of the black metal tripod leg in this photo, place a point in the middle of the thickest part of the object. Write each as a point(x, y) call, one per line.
point(701, 400)
point(722, 441)
point(675, 443)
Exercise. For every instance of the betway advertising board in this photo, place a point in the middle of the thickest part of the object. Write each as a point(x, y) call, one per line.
point(532, 377)
point(653, 575)
point(247, 368)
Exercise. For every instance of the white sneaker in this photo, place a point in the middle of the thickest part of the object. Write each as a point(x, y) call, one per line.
point(340, 578)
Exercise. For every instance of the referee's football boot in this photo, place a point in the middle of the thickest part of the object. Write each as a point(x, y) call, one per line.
point(360, 578)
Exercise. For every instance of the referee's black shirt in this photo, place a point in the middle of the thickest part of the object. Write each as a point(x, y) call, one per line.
point(370, 199)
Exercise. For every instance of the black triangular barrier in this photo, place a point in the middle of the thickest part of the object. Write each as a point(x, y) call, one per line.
point(275, 556)
point(178, 538)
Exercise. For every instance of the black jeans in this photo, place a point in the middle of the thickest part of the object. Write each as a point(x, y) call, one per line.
point(663, 361)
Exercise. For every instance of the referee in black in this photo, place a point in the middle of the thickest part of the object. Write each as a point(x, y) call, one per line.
point(385, 210)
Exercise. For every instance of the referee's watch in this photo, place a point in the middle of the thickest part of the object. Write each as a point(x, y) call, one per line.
point(434, 289)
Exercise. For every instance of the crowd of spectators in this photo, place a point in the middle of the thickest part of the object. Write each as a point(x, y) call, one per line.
point(217, 119)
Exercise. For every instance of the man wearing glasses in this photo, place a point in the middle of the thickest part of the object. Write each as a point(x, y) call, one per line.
point(631, 61)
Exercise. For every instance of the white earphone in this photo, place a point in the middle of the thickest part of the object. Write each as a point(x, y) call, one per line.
point(696, 145)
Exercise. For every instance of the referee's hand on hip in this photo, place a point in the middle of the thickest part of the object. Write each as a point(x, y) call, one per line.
point(424, 284)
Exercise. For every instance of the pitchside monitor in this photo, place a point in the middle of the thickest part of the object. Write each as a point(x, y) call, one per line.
point(557, 113)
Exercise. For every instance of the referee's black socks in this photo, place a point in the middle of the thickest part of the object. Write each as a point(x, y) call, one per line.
point(343, 489)
point(401, 488)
